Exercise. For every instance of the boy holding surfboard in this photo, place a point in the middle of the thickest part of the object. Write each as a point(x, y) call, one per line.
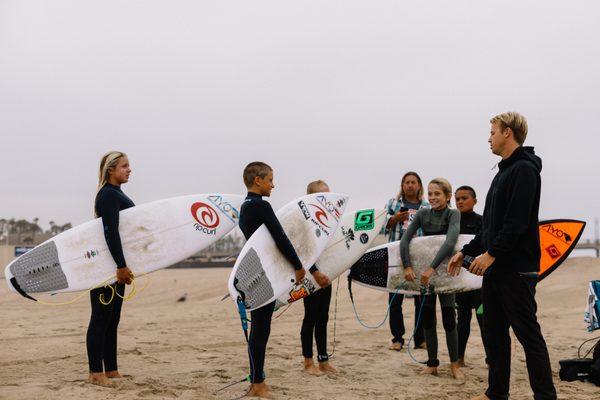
point(258, 178)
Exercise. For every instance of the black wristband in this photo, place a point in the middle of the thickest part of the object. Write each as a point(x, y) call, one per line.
point(313, 269)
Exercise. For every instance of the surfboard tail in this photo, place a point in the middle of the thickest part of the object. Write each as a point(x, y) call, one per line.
point(558, 238)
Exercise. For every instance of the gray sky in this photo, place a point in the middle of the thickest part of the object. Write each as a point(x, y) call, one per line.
point(352, 92)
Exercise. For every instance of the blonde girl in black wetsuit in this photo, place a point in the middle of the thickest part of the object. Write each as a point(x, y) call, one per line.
point(101, 337)
point(440, 219)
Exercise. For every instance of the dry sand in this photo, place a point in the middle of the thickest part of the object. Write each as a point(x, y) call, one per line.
point(190, 349)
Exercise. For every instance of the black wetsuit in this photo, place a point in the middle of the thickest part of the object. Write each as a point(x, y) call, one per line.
point(316, 316)
point(254, 212)
point(101, 337)
point(510, 234)
point(470, 224)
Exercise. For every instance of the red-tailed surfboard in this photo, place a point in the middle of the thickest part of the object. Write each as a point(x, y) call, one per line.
point(381, 267)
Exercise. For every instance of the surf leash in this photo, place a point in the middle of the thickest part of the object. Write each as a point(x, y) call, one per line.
point(387, 313)
point(337, 289)
point(424, 292)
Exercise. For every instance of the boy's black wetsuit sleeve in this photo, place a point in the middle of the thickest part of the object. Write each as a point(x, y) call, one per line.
point(109, 203)
point(281, 240)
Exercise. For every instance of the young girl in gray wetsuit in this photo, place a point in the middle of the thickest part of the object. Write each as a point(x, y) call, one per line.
point(440, 219)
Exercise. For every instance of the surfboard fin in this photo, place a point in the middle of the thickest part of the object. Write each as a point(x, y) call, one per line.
point(13, 281)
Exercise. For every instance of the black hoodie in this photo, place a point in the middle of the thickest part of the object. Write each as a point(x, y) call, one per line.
point(510, 218)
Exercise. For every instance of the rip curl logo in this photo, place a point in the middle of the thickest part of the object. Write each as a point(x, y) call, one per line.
point(321, 216)
point(206, 217)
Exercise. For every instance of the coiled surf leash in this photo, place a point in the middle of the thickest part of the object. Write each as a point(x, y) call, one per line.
point(134, 292)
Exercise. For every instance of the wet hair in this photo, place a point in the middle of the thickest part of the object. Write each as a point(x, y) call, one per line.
point(516, 122)
point(468, 189)
point(406, 175)
point(254, 169)
point(316, 186)
point(108, 161)
point(444, 185)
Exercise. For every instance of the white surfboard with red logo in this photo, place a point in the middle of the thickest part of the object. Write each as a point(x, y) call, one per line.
point(154, 236)
point(261, 273)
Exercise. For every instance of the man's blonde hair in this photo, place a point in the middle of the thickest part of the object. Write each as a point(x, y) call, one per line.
point(316, 186)
point(516, 122)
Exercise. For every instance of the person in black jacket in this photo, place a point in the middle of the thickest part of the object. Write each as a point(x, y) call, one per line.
point(508, 257)
point(258, 178)
point(470, 224)
point(101, 339)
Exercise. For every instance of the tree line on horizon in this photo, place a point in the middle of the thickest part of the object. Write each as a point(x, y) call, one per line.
point(29, 229)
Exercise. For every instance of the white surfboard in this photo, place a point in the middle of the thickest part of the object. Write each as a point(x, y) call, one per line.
point(381, 267)
point(154, 236)
point(354, 236)
point(262, 273)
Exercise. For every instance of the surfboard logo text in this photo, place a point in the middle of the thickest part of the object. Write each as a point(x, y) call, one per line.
point(230, 211)
point(304, 209)
point(557, 233)
point(206, 217)
point(330, 207)
point(348, 236)
point(364, 220)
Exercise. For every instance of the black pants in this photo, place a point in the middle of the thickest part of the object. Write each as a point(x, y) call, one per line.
point(447, 303)
point(260, 329)
point(316, 316)
point(509, 301)
point(397, 320)
point(101, 337)
point(467, 302)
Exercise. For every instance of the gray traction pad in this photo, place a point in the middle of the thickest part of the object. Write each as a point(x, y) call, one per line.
point(252, 281)
point(39, 270)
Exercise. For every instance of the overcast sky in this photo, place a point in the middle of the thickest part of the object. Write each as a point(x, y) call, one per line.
point(352, 92)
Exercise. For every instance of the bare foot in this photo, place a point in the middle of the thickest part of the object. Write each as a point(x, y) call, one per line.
point(327, 368)
point(260, 390)
point(397, 346)
point(310, 367)
point(456, 372)
point(480, 397)
point(113, 374)
point(430, 371)
point(422, 346)
point(98, 378)
point(461, 362)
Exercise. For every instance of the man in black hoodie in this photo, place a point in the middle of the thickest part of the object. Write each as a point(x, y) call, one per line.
point(507, 252)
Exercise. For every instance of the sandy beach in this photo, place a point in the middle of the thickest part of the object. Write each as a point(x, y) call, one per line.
point(188, 350)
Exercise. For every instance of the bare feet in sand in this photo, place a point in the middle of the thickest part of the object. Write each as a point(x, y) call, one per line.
point(113, 374)
point(480, 397)
point(327, 368)
point(98, 378)
point(461, 362)
point(430, 371)
point(456, 371)
point(260, 390)
point(310, 367)
point(397, 346)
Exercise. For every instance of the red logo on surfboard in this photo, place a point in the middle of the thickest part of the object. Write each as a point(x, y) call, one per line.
point(553, 251)
point(205, 215)
point(321, 216)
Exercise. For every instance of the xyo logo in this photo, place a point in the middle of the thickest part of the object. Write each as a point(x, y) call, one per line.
point(206, 217)
point(230, 211)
